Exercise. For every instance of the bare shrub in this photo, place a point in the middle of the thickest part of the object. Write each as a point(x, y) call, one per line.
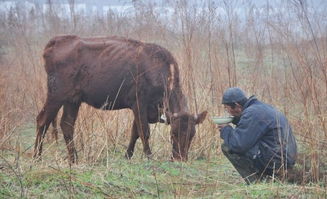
point(277, 52)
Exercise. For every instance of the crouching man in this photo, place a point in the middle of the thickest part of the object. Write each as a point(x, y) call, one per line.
point(262, 143)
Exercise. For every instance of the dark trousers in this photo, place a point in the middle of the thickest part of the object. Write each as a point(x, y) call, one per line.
point(250, 170)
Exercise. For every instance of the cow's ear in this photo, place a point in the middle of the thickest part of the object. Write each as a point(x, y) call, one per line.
point(200, 117)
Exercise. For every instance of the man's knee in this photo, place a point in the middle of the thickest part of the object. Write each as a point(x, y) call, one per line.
point(232, 157)
point(225, 149)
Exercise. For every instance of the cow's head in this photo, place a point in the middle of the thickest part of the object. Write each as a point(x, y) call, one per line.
point(182, 132)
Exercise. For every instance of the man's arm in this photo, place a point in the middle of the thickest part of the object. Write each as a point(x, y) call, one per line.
point(249, 130)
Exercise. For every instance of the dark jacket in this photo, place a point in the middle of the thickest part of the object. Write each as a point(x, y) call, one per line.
point(262, 133)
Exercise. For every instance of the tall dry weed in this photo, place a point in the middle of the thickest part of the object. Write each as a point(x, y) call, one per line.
point(277, 55)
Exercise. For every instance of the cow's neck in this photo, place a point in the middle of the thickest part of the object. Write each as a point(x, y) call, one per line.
point(177, 101)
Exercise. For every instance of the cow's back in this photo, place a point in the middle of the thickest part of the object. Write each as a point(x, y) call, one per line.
point(65, 49)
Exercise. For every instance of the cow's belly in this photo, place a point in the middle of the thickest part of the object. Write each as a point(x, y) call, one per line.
point(105, 91)
point(104, 102)
point(106, 98)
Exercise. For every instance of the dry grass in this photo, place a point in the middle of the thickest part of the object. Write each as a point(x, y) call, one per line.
point(281, 58)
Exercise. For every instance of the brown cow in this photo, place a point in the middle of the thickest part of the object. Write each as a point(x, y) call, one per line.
point(113, 73)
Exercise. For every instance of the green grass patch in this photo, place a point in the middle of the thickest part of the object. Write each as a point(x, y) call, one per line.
point(113, 176)
point(141, 178)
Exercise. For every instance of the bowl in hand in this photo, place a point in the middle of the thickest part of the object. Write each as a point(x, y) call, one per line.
point(222, 120)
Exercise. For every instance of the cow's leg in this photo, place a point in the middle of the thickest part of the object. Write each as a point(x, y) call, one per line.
point(143, 129)
point(43, 120)
point(134, 137)
point(54, 133)
point(67, 125)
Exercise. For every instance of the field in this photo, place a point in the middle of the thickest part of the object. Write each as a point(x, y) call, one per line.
point(277, 53)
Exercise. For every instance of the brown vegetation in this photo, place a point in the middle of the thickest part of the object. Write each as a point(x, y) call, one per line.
point(279, 56)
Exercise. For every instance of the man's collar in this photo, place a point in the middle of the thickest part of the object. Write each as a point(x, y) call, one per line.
point(250, 101)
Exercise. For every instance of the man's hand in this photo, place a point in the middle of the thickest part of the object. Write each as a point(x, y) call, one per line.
point(220, 126)
point(224, 129)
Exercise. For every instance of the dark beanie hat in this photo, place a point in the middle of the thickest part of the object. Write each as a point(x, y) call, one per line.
point(233, 95)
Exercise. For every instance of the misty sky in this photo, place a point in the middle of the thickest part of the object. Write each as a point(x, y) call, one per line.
point(165, 2)
point(89, 7)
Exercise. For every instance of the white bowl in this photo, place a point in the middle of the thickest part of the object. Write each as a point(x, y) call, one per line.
point(222, 120)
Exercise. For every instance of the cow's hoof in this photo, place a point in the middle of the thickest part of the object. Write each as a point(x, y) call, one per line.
point(128, 155)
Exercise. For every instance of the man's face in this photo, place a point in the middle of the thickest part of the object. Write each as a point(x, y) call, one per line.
point(236, 111)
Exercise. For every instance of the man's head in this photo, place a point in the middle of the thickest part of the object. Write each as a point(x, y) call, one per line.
point(233, 100)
